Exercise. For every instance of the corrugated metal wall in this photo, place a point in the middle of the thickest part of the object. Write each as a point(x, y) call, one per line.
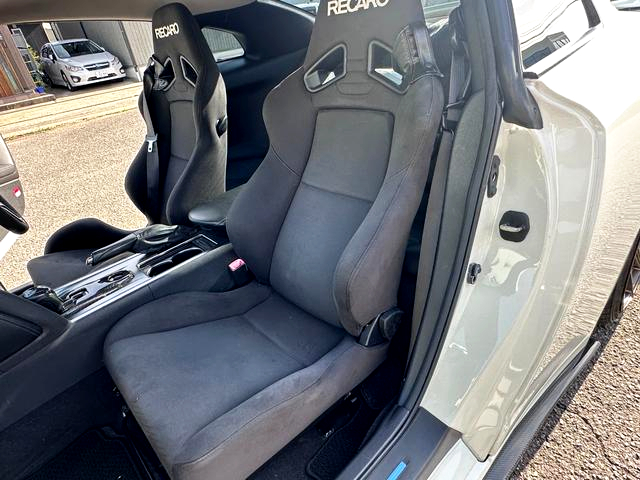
point(129, 41)
point(114, 35)
point(139, 35)
point(68, 30)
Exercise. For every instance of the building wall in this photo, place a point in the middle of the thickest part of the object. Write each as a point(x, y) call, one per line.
point(14, 76)
point(141, 41)
point(34, 33)
point(68, 30)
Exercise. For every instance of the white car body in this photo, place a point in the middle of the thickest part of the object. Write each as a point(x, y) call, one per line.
point(536, 303)
point(80, 70)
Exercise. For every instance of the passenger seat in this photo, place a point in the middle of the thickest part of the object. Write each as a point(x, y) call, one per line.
point(220, 382)
point(187, 106)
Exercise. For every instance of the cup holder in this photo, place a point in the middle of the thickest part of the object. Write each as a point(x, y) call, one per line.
point(77, 294)
point(116, 276)
point(160, 268)
point(174, 261)
point(185, 255)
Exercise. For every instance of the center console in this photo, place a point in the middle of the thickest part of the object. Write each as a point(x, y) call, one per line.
point(124, 276)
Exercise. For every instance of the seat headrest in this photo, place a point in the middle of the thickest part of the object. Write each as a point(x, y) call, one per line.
point(355, 25)
point(176, 35)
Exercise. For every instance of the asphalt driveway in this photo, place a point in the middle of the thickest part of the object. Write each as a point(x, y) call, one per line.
point(73, 172)
point(78, 171)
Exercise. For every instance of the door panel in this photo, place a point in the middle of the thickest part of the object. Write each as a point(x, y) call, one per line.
point(536, 303)
point(509, 325)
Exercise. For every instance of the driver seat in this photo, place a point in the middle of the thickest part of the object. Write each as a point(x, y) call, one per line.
point(187, 105)
point(220, 382)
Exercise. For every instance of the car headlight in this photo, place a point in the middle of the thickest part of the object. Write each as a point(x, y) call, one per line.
point(72, 68)
point(115, 61)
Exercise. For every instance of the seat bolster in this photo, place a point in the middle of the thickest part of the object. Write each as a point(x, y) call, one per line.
point(56, 269)
point(367, 276)
point(238, 443)
point(185, 309)
point(87, 233)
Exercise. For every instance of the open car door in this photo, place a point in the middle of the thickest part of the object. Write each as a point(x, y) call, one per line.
point(11, 200)
point(555, 228)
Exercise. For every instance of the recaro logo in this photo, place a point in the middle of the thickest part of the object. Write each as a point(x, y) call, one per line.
point(340, 7)
point(167, 30)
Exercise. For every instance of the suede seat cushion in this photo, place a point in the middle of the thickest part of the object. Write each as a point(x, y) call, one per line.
point(212, 377)
point(56, 269)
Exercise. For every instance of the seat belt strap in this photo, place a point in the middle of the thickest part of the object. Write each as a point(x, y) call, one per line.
point(151, 139)
point(460, 76)
point(459, 83)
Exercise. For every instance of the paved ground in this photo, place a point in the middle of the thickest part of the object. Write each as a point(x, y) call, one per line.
point(594, 431)
point(77, 171)
point(69, 173)
point(85, 104)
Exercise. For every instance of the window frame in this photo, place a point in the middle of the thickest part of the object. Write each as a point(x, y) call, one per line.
point(215, 54)
point(556, 57)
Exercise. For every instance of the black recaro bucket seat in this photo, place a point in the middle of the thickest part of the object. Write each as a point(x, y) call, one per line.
point(186, 167)
point(220, 382)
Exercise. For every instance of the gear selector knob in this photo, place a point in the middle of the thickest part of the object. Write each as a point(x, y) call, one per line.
point(46, 297)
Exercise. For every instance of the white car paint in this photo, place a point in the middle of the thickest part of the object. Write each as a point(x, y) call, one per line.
point(536, 303)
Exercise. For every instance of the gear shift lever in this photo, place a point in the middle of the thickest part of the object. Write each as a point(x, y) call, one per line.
point(45, 297)
point(147, 240)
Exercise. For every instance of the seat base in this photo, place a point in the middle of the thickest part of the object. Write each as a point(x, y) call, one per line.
point(220, 382)
point(67, 250)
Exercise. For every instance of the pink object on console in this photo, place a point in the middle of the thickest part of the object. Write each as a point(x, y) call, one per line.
point(236, 265)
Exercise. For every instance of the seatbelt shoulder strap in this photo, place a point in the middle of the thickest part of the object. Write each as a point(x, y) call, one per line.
point(153, 158)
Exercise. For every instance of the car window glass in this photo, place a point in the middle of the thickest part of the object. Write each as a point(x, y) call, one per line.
point(223, 45)
point(76, 49)
point(545, 26)
point(438, 10)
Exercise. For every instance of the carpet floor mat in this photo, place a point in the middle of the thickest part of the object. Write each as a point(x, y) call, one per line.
point(95, 455)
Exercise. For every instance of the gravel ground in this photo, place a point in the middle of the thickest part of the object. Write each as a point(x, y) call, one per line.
point(78, 171)
point(73, 172)
point(594, 431)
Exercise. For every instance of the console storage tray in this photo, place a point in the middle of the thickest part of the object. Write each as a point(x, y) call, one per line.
point(173, 257)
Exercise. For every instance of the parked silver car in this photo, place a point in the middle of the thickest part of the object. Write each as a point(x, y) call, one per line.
point(79, 62)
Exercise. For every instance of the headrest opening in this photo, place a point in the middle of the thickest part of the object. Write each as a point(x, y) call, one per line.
point(356, 23)
point(161, 75)
point(410, 59)
point(188, 71)
point(330, 68)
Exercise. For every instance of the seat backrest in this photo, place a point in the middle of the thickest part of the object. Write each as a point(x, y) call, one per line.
point(188, 104)
point(326, 217)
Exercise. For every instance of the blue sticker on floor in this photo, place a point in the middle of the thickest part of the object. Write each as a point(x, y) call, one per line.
point(395, 475)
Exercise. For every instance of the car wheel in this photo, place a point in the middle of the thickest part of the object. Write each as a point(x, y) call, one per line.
point(67, 83)
point(626, 288)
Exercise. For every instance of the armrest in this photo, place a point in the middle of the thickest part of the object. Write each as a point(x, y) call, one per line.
point(214, 213)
